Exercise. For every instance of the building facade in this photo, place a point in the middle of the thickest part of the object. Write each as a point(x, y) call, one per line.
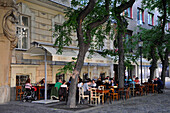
point(138, 16)
point(37, 17)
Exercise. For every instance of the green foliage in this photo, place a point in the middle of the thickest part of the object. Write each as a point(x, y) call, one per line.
point(63, 33)
point(67, 68)
point(157, 4)
point(151, 40)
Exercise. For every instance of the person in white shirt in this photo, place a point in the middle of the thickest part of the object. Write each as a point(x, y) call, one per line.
point(28, 85)
point(86, 87)
point(93, 84)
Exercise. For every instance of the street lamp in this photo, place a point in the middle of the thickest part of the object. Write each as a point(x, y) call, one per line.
point(140, 47)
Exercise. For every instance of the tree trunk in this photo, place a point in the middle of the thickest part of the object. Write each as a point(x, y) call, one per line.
point(165, 59)
point(121, 67)
point(153, 63)
point(164, 66)
point(73, 86)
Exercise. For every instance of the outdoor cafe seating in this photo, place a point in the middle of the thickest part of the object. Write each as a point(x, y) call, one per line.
point(95, 97)
point(40, 91)
point(82, 95)
point(19, 92)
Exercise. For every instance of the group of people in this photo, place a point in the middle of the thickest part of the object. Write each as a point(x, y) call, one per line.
point(62, 87)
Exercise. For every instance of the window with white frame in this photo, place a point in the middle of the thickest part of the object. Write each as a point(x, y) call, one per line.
point(159, 20)
point(140, 16)
point(128, 12)
point(23, 32)
point(167, 26)
point(150, 19)
point(21, 79)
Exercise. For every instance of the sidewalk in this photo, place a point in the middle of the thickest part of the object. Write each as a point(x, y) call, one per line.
point(152, 103)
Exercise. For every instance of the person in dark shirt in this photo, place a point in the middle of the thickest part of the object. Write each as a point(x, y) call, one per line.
point(107, 83)
point(99, 82)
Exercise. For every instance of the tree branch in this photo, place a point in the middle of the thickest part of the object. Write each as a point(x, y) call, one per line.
point(98, 22)
point(80, 19)
point(125, 5)
point(164, 16)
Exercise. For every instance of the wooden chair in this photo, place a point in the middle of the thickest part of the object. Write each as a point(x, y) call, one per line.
point(151, 88)
point(146, 87)
point(81, 94)
point(19, 92)
point(121, 93)
point(101, 94)
point(94, 97)
point(113, 94)
point(127, 92)
point(138, 90)
point(103, 86)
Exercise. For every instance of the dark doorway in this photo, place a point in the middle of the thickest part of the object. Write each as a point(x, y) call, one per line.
point(85, 76)
point(102, 75)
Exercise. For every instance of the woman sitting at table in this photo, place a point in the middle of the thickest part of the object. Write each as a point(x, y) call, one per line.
point(28, 84)
point(99, 82)
point(42, 82)
point(137, 80)
point(111, 83)
point(93, 84)
point(106, 83)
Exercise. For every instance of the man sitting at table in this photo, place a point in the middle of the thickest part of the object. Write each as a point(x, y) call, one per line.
point(86, 87)
point(58, 84)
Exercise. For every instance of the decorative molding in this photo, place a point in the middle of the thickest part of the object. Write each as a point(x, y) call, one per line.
point(9, 26)
point(58, 19)
point(8, 3)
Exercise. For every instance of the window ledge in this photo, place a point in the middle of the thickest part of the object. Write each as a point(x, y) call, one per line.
point(19, 49)
point(129, 17)
point(150, 25)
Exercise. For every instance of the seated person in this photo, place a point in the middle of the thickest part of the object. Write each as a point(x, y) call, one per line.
point(80, 83)
point(106, 83)
point(29, 87)
point(93, 84)
point(99, 82)
point(28, 84)
point(149, 81)
point(42, 82)
point(137, 80)
point(86, 87)
point(160, 85)
point(63, 91)
point(58, 84)
point(111, 83)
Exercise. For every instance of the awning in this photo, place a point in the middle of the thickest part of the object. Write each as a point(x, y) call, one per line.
point(66, 56)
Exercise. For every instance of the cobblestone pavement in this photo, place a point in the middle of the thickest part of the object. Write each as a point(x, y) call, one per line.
point(152, 103)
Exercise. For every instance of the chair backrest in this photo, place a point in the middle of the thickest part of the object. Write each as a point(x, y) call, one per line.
point(81, 91)
point(137, 85)
point(128, 89)
point(18, 89)
point(101, 87)
point(121, 89)
point(93, 92)
point(112, 89)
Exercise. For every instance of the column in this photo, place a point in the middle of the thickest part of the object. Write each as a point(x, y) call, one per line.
point(8, 40)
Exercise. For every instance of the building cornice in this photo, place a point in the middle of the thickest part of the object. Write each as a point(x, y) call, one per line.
point(49, 4)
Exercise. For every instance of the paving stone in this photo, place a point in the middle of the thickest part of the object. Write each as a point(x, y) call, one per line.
point(152, 103)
